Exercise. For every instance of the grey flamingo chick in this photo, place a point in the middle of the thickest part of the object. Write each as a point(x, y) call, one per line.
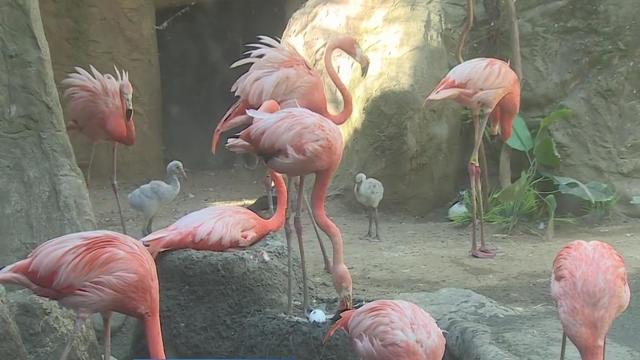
point(369, 192)
point(148, 198)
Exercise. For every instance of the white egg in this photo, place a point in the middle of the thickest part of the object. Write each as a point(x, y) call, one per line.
point(317, 316)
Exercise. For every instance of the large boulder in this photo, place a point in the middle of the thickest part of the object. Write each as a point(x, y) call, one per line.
point(233, 304)
point(45, 328)
point(391, 136)
point(43, 193)
point(107, 33)
point(11, 346)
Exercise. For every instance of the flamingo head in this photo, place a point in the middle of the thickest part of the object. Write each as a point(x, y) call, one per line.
point(176, 167)
point(126, 93)
point(343, 285)
point(349, 45)
point(360, 178)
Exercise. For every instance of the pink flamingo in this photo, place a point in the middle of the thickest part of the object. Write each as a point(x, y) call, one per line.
point(590, 287)
point(489, 86)
point(391, 329)
point(91, 272)
point(100, 107)
point(219, 228)
point(298, 142)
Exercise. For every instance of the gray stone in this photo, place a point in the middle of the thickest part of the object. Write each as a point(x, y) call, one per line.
point(478, 328)
point(43, 193)
point(46, 328)
point(11, 346)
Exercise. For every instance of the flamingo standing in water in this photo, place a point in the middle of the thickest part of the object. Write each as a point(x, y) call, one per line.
point(101, 108)
point(590, 287)
point(219, 228)
point(392, 329)
point(489, 86)
point(91, 272)
point(278, 72)
point(298, 142)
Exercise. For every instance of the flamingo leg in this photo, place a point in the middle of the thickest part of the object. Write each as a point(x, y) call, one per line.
point(476, 190)
point(114, 185)
point(604, 347)
point(375, 210)
point(370, 216)
point(298, 226)
point(80, 319)
point(147, 227)
point(106, 334)
point(93, 153)
point(325, 257)
point(287, 235)
point(563, 348)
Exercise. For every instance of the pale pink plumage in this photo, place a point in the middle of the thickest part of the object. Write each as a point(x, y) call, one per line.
point(97, 105)
point(278, 72)
point(298, 142)
point(590, 287)
point(95, 272)
point(392, 329)
point(219, 228)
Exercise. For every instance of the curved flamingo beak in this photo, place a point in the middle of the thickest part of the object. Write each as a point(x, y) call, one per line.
point(215, 141)
point(129, 107)
point(183, 173)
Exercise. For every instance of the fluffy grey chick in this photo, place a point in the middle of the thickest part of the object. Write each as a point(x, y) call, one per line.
point(369, 192)
point(148, 198)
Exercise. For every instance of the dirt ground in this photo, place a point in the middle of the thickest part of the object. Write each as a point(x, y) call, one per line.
point(415, 254)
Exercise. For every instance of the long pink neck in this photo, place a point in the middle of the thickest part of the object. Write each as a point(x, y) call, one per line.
point(347, 103)
point(154, 337)
point(594, 352)
point(318, 194)
point(277, 220)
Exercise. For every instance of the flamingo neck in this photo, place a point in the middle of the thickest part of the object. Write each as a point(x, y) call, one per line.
point(318, 195)
point(594, 351)
point(154, 336)
point(277, 220)
point(347, 101)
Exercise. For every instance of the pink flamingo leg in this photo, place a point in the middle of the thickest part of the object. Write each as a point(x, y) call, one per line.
point(476, 191)
point(287, 235)
point(80, 319)
point(298, 226)
point(114, 186)
point(106, 334)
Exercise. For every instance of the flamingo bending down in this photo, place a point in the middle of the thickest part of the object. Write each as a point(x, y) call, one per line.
point(298, 142)
point(489, 86)
point(91, 272)
point(100, 107)
point(590, 287)
point(392, 329)
point(278, 72)
point(219, 228)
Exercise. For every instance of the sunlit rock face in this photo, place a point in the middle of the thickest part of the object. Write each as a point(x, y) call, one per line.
point(391, 136)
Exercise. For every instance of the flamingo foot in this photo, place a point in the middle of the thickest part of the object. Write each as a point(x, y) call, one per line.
point(483, 253)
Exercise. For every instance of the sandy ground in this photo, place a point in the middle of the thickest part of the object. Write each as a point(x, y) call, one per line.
point(415, 254)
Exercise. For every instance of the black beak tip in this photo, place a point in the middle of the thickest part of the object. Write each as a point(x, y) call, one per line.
point(129, 114)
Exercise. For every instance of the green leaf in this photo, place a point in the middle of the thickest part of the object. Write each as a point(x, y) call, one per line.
point(555, 116)
point(521, 136)
point(593, 191)
point(514, 191)
point(545, 151)
point(635, 200)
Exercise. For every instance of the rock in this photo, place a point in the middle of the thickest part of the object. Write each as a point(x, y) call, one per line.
point(104, 33)
point(478, 328)
point(391, 136)
point(43, 195)
point(123, 330)
point(11, 346)
point(46, 328)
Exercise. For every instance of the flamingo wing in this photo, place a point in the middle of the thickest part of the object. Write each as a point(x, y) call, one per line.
point(88, 270)
point(393, 329)
point(293, 141)
point(93, 100)
point(215, 228)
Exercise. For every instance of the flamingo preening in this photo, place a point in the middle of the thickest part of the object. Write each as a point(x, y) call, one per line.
point(391, 329)
point(489, 86)
point(590, 287)
point(100, 107)
point(278, 72)
point(298, 142)
point(219, 228)
point(95, 272)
